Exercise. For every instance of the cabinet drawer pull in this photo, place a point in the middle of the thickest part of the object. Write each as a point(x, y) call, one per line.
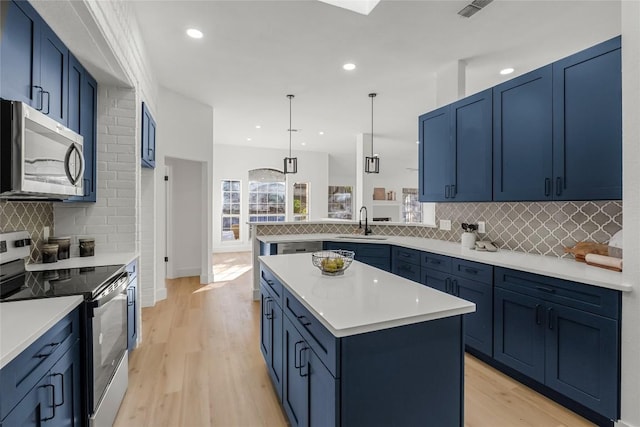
point(435, 261)
point(41, 98)
point(550, 317)
point(405, 255)
point(61, 387)
point(471, 271)
point(447, 285)
point(447, 191)
point(538, 316)
point(48, 101)
point(455, 288)
point(53, 345)
point(545, 289)
point(53, 399)
point(307, 323)
point(547, 187)
point(558, 186)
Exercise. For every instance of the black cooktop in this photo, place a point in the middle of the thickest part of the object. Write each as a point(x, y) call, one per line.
point(87, 281)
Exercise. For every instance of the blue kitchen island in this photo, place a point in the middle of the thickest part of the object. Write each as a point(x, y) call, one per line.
point(366, 348)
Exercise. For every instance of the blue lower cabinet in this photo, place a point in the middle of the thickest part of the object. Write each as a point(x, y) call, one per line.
point(581, 362)
point(66, 389)
point(437, 280)
point(34, 409)
point(271, 336)
point(372, 254)
point(478, 326)
point(309, 390)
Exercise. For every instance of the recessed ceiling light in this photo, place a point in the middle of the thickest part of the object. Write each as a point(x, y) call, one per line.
point(194, 34)
point(303, 143)
point(349, 67)
point(320, 133)
point(506, 71)
point(248, 139)
point(258, 126)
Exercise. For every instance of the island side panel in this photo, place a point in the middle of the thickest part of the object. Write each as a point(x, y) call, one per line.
point(407, 376)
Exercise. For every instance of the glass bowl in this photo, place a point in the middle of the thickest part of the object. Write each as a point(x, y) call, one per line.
point(332, 263)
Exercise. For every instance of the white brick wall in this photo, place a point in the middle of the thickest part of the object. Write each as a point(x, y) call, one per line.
point(112, 220)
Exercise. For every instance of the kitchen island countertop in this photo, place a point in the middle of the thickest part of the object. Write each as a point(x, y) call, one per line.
point(23, 322)
point(364, 299)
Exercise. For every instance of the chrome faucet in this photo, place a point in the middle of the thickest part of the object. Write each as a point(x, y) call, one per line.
point(367, 230)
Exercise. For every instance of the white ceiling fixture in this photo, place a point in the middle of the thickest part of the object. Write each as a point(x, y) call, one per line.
point(258, 126)
point(248, 139)
point(474, 7)
point(349, 66)
point(363, 7)
point(506, 71)
point(194, 33)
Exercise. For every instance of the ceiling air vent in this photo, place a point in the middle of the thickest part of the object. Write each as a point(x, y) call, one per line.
point(474, 7)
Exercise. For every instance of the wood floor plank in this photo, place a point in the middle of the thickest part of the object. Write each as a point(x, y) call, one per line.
point(200, 365)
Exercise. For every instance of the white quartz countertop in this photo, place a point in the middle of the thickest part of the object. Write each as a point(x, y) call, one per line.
point(364, 299)
point(560, 268)
point(23, 322)
point(89, 261)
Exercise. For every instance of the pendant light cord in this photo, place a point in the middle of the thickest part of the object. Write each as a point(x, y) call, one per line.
point(290, 130)
point(372, 95)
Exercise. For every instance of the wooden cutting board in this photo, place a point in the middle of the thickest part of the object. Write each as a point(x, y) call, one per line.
point(581, 249)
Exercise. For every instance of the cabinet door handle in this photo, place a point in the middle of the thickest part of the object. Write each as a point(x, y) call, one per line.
point(447, 285)
point(130, 302)
point(302, 364)
point(447, 191)
point(453, 191)
point(547, 187)
point(456, 288)
point(538, 316)
point(61, 387)
point(550, 317)
point(53, 399)
point(471, 270)
point(558, 186)
point(268, 312)
point(297, 358)
point(85, 183)
point(545, 289)
point(41, 98)
point(307, 323)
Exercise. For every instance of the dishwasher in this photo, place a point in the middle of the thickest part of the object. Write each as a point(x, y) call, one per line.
point(297, 247)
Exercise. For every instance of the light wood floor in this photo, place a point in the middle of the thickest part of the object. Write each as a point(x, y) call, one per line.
point(200, 365)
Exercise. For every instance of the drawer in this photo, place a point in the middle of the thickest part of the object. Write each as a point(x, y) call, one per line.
point(272, 283)
point(407, 270)
point(372, 250)
point(593, 299)
point(436, 262)
point(347, 246)
point(323, 343)
point(132, 270)
point(22, 373)
point(378, 262)
point(407, 255)
point(472, 270)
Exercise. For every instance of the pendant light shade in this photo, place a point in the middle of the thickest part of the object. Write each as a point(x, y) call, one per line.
point(290, 163)
point(372, 164)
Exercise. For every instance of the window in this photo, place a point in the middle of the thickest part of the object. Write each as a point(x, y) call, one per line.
point(267, 195)
point(301, 201)
point(411, 207)
point(230, 210)
point(340, 205)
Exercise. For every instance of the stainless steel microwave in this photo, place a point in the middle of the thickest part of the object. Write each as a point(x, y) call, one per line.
point(39, 157)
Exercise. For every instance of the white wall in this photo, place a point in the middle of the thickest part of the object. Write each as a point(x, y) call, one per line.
point(630, 386)
point(186, 217)
point(342, 169)
point(234, 162)
point(185, 131)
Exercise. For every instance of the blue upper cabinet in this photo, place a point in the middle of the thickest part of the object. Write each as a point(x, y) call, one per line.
point(587, 106)
point(82, 113)
point(34, 61)
point(472, 136)
point(522, 137)
point(435, 160)
point(148, 138)
point(455, 151)
point(20, 44)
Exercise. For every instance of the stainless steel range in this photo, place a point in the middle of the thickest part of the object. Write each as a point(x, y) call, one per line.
point(104, 334)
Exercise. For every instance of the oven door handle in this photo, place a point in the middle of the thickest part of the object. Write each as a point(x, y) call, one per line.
point(112, 290)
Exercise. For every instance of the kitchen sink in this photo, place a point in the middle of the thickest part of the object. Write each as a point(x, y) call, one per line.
point(361, 237)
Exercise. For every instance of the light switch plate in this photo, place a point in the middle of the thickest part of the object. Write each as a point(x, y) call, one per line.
point(445, 224)
point(481, 227)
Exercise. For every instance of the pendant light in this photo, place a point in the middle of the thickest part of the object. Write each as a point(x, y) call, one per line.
point(290, 163)
point(372, 164)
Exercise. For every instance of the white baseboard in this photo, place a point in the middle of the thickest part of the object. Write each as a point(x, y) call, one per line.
point(161, 294)
point(205, 279)
point(187, 272)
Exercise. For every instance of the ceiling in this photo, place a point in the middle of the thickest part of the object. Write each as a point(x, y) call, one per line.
point(254, 53)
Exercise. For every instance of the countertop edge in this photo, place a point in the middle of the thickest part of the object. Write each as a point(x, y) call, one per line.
point(520, 260)
point(71, 303)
